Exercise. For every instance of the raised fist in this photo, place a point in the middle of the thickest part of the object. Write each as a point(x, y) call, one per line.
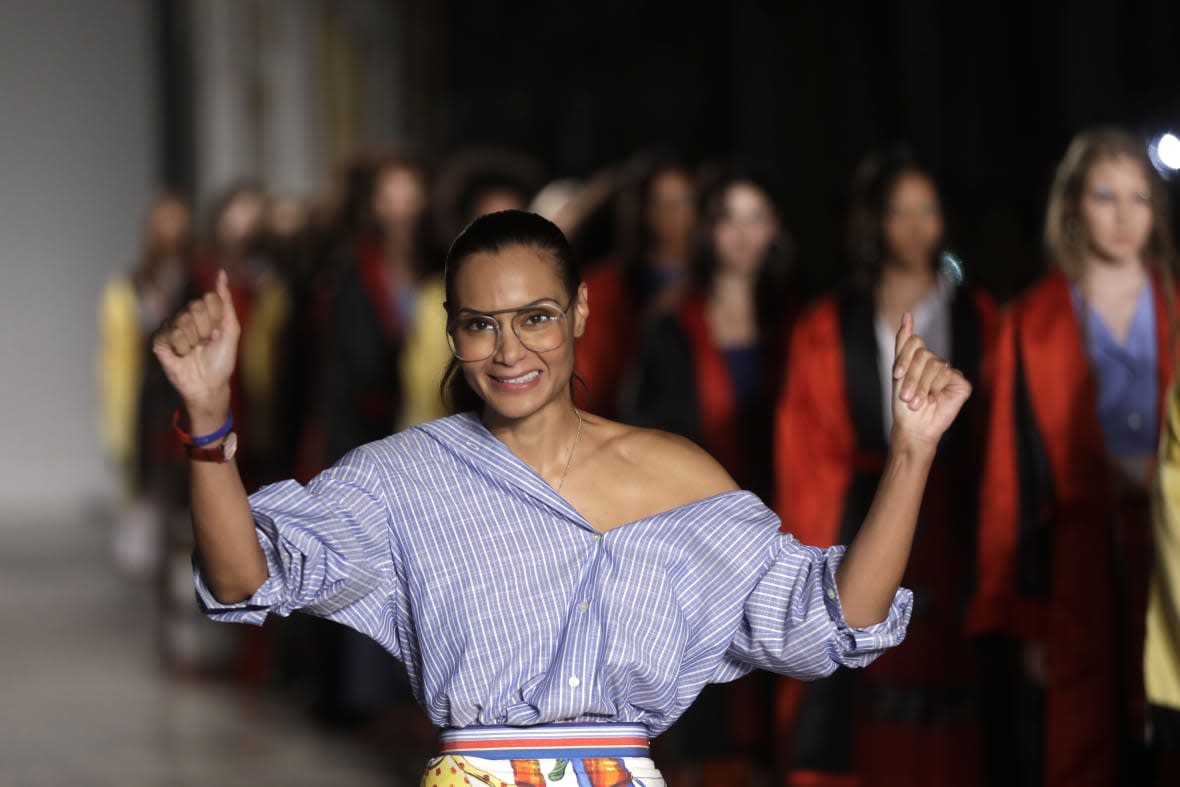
point(198, 349)
point(927, 392)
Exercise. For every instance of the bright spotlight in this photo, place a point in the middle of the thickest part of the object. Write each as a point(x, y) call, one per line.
point(1168, 148)
point(1165, 153)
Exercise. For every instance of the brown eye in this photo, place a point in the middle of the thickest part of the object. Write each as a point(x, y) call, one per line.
point(476, 324)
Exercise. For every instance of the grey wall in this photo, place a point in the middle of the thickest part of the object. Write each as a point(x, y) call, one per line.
point(77, 151)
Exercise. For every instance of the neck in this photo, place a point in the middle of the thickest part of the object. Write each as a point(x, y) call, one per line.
point(1113, 276)
point(905, 283)
point(542, 440)
point(397, 240)
point(668, 255)
point(731, 286)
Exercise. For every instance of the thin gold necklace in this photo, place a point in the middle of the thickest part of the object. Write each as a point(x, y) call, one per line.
point(570, 458)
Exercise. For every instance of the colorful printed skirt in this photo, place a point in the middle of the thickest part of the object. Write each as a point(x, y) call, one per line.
point(551, 755)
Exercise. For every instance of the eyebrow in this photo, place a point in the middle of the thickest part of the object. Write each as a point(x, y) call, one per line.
point(530, 304)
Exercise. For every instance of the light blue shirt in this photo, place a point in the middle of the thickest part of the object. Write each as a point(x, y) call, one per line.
point(508, 607)
point(1128, 376)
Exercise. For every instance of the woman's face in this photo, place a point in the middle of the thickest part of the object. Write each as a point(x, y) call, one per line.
point(912, 225)
point(242, 219)
point(514, 381)
point(671, 209)
point(169, 226)
point(399, 197)
point(745, 229)
point(1115, 209)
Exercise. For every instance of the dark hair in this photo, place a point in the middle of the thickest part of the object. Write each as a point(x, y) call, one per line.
point(490, 234)
point(480, 184)
point(772, 288)
point(636, 262)
point(874, 181)
point(425, 253)
point(239, 189)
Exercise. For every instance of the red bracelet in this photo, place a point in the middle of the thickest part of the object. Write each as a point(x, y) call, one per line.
point(202, 440)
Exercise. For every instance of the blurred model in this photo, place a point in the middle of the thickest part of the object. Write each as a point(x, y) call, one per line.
point(1082, 363)
point(913, 718)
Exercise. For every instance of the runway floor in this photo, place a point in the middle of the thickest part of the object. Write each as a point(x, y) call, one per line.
point(83, 700)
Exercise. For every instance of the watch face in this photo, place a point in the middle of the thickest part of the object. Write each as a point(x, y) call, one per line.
point(230, 446)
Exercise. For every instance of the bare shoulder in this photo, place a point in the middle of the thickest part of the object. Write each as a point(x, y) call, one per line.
point(667, 466)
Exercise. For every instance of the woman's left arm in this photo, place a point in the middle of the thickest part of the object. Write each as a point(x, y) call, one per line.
point(927, 395)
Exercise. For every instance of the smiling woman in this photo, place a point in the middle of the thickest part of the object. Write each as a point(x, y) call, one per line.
point(560, 587)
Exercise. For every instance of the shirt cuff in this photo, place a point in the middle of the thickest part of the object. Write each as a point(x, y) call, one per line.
point(859, 647)
point(252, 610)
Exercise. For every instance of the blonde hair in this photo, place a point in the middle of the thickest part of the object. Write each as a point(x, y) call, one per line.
point(1065, 239)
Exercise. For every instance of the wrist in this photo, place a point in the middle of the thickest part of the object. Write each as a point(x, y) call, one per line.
point(911, 451)
point(207, 415)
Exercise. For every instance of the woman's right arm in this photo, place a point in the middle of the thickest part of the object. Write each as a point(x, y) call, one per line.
point(198, 351)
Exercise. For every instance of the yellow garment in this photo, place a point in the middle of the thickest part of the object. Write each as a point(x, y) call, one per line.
point(1161, 656)
point(260, 356)
point(425, 357)
point(120, 368)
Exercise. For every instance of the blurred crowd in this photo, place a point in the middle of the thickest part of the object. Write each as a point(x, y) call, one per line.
point(1025, 658)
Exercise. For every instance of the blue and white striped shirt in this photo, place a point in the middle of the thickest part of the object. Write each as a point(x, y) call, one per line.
point(507, 607)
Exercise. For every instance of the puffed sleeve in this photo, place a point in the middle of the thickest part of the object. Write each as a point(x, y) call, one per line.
point(330, 551)
point(793, 623)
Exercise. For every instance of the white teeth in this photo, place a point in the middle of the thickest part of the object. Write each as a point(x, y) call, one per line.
point(524, 378)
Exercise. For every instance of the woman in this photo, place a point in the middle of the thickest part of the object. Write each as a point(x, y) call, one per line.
point(912, 719)
point(649, 283)
point(727, 337)
point(376, 305)
point(726, 340)
point(1161, 662)
point(136, 397)
point(1081, 366)
point(557, 595)
point(263, 302)
point(385, 350)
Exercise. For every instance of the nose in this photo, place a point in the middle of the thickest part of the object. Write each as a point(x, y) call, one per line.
point(510, 350)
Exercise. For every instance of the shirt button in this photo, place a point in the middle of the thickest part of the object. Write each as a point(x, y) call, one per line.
point(1134, 421)
point(597, 537)
point(831, 594)
point(582, 607)
point(574, 682)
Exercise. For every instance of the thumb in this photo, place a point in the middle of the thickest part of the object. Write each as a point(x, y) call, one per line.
point(904, 333)
point(229, 315)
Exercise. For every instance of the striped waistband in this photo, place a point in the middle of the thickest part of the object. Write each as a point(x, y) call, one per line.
point(559, 741)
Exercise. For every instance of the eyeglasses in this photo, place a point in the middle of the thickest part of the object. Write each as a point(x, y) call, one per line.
point(541, 327)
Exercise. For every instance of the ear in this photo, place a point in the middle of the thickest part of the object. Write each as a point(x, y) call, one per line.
point(581, 309)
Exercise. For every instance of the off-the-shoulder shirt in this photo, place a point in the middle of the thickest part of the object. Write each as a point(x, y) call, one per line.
point(507, 607)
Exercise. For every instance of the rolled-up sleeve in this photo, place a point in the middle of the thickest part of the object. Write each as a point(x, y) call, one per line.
point(793, 622)
point(328, 547)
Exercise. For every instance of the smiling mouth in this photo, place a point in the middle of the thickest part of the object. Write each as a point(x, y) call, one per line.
point(521, 380)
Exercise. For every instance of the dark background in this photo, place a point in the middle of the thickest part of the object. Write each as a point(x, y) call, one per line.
point(988, 93)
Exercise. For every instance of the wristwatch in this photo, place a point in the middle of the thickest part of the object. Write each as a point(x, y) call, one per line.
point(218, 446)
point(217, 453)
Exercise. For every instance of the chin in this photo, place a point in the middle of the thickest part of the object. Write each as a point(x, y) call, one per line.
point(516, 406)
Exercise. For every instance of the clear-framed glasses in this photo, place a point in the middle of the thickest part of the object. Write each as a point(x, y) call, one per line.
point(541, 327)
